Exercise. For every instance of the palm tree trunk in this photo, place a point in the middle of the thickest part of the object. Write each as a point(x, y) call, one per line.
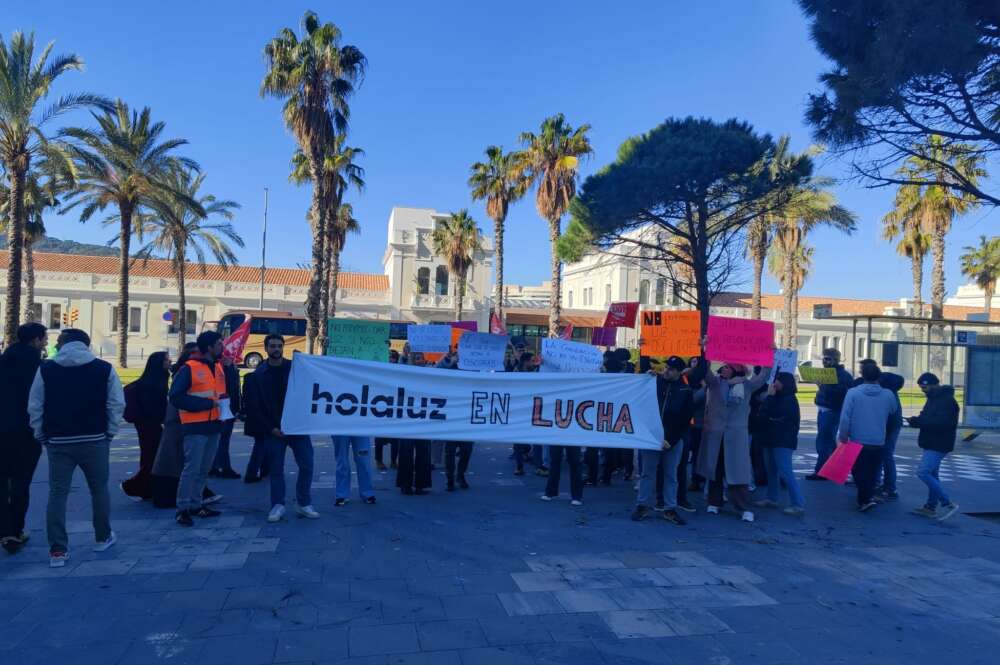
point(498, 252)
point(988, 305)
point(937, 273)
point(334, 280)
point(555, 297)
point(15, 248)
point(759, 252)
point(788, 283)
point(181, 302)
point(917, 269)
point(29, 280)
point(125, 240)
point(794, 337)
point(319, 219)
point(459, 295)
point(324, 313)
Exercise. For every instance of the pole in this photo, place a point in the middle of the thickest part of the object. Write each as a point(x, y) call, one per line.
point(263, 253)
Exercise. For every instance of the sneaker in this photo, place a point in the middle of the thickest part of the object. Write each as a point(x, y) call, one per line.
point(794, 511)
point(686, 506)
point(660, 507)
point(370, 500)
point(277, 513)
point(519, 471)
point(210, 499)
point(766, 503)
point(815, 476)
point(747, 516)
point(695, 487)
point(886, 495)
point(640, 513)
point(339, 501)
point(205, 511)
point(306, 511)
point(11, 544)
point(105, 545)
point(128, 496)
point(546, 497)
point(925, 511)
point(672, 517)
point(184, 518)
point(576, 502)
point(542, 471)
point(949, 510)
point(712, 510)
point(463, 483)
point(58, 559)
point(865, 507)
point(22, 537)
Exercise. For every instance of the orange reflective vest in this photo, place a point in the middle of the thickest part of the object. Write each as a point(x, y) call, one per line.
point(208, 384)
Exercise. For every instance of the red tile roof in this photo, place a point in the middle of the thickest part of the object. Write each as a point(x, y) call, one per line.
point(841, 306)
point(108, 265)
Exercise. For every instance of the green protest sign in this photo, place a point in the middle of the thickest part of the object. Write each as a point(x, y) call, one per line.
point(361, 340)
point(824, 375)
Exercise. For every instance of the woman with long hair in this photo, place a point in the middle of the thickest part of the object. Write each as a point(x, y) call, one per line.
point(146, 408)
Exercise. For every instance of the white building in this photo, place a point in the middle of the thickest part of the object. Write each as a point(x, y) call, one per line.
point(970, 295)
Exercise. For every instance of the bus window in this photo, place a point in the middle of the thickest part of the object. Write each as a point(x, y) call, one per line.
point(292, 327)
point(229, 324)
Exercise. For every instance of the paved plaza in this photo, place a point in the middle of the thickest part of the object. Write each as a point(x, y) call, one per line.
point(492, 576)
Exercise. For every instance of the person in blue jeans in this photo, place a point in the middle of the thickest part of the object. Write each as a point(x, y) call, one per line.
point(829, 401)
point(887, 488)
point(938, 425)
point(263, 401)
point(360, 448)
point(778, 421)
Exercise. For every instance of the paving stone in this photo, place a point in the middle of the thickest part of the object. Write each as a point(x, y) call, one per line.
point(280, 619)
point(764, 650)
point(592, 579)
point(561, 653)
point(693, 622)
point(575, 627)
point(735, 575)
point(640, 559)
point(218, 561)
point(500, 631)
point(551, 563)
point(215, 624)
point(104, 567)
point(687, 576)
point(551, 581)
point(505, 655)
point(26, 571)
point(739, 595)
point(694, 597)
point(247, 649)
point(263, 597)
point(641, 598)
point(168, 647)
point(534, 602)
point(374, 640)
point(403, 610)
point(637, 651)
point(436, 586)
point(589, 600)
point(199, 599)
point(596, 561)
point(473, 606)
point(637, 623)
point(640, 577)
point(254, 545)
point(426, 658)
point(311, 645)
point(161, 564)
point(474, 583)
point(379, 589)
point(450, 634)
point(197, 548)
point(686, 558)
point(357, 612)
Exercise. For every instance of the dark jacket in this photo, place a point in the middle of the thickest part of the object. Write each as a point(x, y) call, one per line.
point(151, 400)
point(894, 383)
point(233, 388)
point(676, 403)
point(938, 420)
point(263, 413)
point(180, 399)
point(831, 395)
point(18, 366)
point(778, 418)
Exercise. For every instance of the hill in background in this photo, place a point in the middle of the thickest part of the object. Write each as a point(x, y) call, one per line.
point(57, 246)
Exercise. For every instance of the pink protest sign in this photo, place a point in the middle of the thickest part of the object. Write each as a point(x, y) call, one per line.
point(745, 341)
point(471, 326)
point(604, 336)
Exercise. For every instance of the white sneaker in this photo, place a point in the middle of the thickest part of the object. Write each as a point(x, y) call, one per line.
point(212, 499)
point(277, 513)
point(546, 497)
point(712, 510)
point(307, 511)
point(576, 502)
point(105, 545)
point(58, 559)
point(747, 516)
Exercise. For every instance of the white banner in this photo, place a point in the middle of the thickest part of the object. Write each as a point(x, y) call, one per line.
point(356, 397)
point(559, 355)
point(482, 352)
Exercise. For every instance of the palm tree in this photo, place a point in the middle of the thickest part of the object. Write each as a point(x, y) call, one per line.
point(934, 206)
point(808, 207)
point(456, 240)
point(340, 225)
point(760, 232)
point(178, 230)
point(552, 159)
point(500, 181)
point(800, 261)
point(25, 81)
point(914, 243)
point(124, 163)
point(982, 265)
point(315, 75)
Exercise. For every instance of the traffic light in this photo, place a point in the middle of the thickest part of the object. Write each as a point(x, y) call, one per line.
point(65, 319)
point(69, 317)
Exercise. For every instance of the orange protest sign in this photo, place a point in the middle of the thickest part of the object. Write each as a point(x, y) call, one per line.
point(670, 334)
point(456, 334)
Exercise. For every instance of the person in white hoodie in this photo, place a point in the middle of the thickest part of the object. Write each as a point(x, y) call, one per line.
point(74, 408)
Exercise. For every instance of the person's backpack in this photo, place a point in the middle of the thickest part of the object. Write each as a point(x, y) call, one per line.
point(133, 412)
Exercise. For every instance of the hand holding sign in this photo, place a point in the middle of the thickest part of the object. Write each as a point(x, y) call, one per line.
point(744, 341)
point(785, 360)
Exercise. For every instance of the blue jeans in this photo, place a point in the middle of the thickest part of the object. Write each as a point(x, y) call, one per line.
point(653, 463)
point(199, 453)
point(888, 471)
point(362, 448)
point(779, 468)
point(827, 422)
point(302, 450)
point(930, 464)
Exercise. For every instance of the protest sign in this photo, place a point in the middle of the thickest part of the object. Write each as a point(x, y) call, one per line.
point(822, 375)
point(604, 337)
point(621, 315)
point(465, 325)
point(428, 338)
point(482, 352)
point(785, 360)
point(559, 355)
point(670, 334)
point(357, 398)
point(363, 340)
point(745, 341)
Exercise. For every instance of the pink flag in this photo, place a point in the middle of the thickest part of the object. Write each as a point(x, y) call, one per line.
point(621, 315)
point(604, 337)
point(567, 332)
point(496, 325)
point(232, 346)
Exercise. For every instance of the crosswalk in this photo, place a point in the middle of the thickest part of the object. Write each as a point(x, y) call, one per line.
point(957, 466)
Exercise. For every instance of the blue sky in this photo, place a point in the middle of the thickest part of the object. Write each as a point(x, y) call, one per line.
point(448, 78)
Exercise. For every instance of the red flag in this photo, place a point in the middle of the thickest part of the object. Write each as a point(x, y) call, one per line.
point(621, 315)
point(496, 325)
point(233, 345)
point(567, 332)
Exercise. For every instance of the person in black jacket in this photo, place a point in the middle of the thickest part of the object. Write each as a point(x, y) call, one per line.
point(887, 487)
point(829, 401)
point(676, 407)
point(146, 408)
point(938, 425)
point(19, 452)
point(222, 466)
point(778, 428)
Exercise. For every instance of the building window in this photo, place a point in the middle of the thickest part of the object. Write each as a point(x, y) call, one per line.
point(661, 291)
point(441, 281)
point(826, 344)
point(569, 299)
point(675, 294)
point(607, 294)
point(192, 322)
point(55, 316)
point(644, 292)
point(862, 353)
point(36, 312)
point(836, 343)
point(134, 319)
point(424, 281)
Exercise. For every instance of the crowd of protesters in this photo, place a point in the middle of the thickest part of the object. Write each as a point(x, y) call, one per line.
point(727, 433)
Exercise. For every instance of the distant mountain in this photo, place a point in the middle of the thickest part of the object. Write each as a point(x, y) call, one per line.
point(57, 246)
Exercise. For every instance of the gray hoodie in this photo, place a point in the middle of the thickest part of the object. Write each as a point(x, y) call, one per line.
point(74, 354)
point(866, 413)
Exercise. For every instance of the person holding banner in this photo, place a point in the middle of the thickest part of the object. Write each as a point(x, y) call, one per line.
point(829, 401)
point(462, 448)
point(380, 443)
point(360, 448)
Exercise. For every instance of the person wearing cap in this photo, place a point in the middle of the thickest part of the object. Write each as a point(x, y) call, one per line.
point(778, 422)
point(829, 402)
point(938, 425)
point(676, 406)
